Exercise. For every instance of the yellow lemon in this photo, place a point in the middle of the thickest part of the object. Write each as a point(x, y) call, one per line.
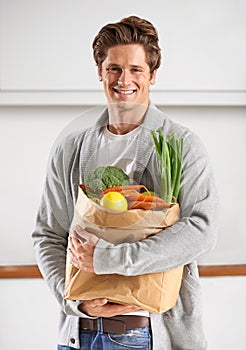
point(114, 201)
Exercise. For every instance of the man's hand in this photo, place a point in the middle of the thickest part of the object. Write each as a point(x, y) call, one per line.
point(81, 256)
point(101, 308)
point(81, 251)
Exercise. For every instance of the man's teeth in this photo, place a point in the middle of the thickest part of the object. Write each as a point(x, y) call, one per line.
point(125, 92)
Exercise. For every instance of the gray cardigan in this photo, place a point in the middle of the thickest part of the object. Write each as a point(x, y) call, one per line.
point(181, 244)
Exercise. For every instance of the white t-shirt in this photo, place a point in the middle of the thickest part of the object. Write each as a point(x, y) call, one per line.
point(116, 150)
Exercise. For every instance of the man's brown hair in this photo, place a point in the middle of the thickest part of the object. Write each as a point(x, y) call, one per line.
point(130, 30)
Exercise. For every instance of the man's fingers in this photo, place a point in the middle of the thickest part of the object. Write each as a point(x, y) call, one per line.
point(78, 232)
point(85, 236)
point(71, 242)
point(101, 307)
point(119, 309)
point(81, 250)
point(76, 244)
point(99, 302)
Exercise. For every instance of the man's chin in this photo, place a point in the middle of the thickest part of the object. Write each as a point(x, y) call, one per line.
point(126, 105)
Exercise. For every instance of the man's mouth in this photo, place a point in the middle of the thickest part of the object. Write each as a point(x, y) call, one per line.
point(125, 92)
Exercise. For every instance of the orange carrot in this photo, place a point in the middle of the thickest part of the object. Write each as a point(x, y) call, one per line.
point(83, 187)
point(86, 188)
point(147, 205)
point(136, 196)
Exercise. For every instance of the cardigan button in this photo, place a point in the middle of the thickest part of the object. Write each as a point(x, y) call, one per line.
point(72, 340)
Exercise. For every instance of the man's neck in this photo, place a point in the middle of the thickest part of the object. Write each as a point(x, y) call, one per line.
point(125, 118)
point(121, 129)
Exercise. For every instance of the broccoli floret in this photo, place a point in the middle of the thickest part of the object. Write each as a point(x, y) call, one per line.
point(105, 177)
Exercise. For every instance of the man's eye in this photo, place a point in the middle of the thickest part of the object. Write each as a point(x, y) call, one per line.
point(136, 70)
point(114, 70)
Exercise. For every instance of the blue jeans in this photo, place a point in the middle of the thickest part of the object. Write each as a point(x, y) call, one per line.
point(137, 338)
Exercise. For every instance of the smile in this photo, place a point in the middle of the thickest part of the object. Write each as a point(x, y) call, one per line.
point(124, 92)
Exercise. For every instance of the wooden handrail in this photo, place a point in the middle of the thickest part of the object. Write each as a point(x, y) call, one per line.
point(32, 271)
point(20, 271)
point(222, 270)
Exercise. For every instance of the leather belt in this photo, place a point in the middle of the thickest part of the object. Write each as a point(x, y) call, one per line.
point(116, 325)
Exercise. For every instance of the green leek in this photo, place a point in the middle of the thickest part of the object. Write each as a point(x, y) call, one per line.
point(169, 152)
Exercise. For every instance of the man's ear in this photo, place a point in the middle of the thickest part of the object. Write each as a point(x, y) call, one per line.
point(153, 77)
point(99, 73)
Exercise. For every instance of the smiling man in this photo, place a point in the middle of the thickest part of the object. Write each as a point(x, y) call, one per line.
point(128, 56)
point(126, 78)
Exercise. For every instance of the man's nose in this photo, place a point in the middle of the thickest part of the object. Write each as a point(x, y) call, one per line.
point(125, 77)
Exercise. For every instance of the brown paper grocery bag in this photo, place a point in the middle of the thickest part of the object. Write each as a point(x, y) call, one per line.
point(154, 292)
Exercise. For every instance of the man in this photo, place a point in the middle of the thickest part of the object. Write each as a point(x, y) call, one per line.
point(127, 56)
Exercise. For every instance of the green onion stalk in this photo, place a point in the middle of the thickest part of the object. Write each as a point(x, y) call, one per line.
point(169, 152)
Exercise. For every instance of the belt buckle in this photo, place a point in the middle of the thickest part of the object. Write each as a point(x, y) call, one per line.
point(114, 326)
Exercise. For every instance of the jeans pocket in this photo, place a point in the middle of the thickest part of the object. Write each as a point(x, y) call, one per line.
point(137, 338)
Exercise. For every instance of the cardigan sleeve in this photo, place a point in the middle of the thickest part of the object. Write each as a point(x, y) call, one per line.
point(50, 235)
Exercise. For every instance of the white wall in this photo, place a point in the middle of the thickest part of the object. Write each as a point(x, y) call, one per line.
point(46, 49)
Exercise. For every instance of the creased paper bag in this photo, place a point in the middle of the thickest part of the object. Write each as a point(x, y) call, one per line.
point(154, 292)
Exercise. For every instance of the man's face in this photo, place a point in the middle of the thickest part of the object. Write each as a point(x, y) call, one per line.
point(126, 75)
